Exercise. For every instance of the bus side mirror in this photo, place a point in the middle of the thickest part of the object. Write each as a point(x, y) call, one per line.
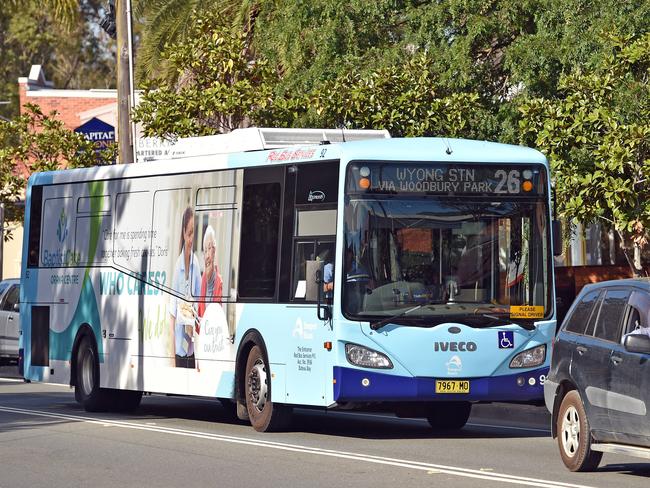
point(556, 232)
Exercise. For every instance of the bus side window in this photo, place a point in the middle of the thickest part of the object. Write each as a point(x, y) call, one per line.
point(315, 235)
point(35, 209)
point(58, 231)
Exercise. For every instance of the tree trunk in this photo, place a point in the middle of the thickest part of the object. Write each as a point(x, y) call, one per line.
point(633, 261)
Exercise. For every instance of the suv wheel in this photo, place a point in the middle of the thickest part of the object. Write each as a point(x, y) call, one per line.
point(574, 435)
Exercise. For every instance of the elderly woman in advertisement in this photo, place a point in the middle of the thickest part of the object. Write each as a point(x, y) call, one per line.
point(211, 282)
point(187, 283)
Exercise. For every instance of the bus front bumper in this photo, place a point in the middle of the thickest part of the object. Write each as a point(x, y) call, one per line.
point(355, 385)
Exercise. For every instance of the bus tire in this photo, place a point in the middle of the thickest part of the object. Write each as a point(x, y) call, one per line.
point(449, 415)
point(87, 390)
point(574, 435)
point(263, 413)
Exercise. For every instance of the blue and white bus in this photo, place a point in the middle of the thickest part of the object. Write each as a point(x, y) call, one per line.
point(313, 268)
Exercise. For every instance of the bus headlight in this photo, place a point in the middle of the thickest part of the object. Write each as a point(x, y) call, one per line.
point(529, 358)
point(367, 358)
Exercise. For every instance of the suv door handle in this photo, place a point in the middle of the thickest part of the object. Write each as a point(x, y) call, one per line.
point(616, 360)
point(10, 317)
point(581, 350)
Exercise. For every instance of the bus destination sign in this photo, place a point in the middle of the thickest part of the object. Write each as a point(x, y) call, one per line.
point(409, 178)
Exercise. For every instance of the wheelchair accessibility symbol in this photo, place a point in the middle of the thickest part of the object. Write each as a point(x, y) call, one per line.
point(506, 339)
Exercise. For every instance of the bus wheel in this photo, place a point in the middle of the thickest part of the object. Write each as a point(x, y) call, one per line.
point(264, 415)
point(574, 435)
point(449, 415)
point(87, 390)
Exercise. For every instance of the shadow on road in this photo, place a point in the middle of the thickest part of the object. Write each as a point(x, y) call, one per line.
point(640, 470)
point(320, 422)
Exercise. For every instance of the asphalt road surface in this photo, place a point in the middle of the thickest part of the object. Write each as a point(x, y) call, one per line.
point(47, 439)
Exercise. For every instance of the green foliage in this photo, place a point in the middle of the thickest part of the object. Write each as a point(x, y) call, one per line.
point(61, 35)
point(499, 49)
point(34, 142)
point(219, 86)
point(406, 99)
point(167, 22)
point(596, 135)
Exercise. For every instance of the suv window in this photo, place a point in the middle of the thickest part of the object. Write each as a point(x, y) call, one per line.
point(13, 295)
point(608, 325)
point(637, 312)
point(578, 320)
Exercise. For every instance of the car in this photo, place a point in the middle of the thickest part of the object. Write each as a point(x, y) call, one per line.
point(9, 319)
point(598, 385)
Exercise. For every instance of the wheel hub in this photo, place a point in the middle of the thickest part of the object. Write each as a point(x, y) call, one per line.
point(257, 385)
point(571, 431)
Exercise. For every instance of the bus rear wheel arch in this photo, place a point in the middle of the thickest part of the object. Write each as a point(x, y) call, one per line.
point(87, 380)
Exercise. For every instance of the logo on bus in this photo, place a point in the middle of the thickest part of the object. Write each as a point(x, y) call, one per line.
point(454, 365)
point(455, 346)
point(316, 196)
point(62, 228)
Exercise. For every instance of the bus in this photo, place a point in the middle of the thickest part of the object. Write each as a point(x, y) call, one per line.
point(272, 269)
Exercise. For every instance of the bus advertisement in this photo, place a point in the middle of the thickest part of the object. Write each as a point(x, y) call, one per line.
point(406, 275)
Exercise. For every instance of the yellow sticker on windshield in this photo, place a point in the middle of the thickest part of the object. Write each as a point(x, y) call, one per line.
point(526, 312)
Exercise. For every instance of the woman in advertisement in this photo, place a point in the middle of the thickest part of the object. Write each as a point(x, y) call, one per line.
point(211, 282)
point(187, 283)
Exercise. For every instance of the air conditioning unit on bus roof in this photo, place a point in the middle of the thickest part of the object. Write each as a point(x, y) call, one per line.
point(250, 139)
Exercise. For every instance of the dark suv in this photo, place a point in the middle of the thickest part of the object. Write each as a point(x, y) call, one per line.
point(598, 386)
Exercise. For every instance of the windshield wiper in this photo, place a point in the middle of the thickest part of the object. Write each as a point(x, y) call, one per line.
point(441, 319)
point(381, 323)
point(507, 320)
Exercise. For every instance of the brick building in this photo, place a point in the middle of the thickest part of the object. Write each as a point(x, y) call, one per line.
point(75, 107)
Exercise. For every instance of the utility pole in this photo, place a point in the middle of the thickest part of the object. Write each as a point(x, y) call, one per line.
point(124, 87)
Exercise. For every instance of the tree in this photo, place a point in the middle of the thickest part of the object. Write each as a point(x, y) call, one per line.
point(596, 134)
point(217, 84)
point(167, 22)
point(405, 98)
point(76, 54)
point(35, 141)
point(498, 49)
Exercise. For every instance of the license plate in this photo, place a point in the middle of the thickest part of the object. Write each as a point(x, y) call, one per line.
point(452, 386)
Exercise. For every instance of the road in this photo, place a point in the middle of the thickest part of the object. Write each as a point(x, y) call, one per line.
point(46, 439)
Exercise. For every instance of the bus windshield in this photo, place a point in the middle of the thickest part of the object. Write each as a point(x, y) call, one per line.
point(454, 256)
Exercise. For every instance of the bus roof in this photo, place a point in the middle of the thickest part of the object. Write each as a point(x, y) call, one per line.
point(442, 150)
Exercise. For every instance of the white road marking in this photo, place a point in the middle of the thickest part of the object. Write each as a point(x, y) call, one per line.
point(404, 463)
point(511, 427)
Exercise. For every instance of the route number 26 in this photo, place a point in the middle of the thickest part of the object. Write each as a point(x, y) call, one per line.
point(508, 181)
